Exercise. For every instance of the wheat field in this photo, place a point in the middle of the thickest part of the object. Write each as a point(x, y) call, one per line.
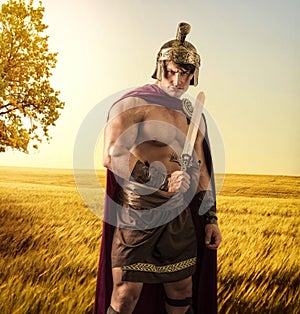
point(49, 244)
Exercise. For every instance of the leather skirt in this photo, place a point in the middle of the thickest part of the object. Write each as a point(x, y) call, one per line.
point(160, 249)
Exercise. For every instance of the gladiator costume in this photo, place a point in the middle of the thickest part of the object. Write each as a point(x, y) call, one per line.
point(162, 253)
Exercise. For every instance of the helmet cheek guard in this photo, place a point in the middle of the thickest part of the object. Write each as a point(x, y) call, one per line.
point(178, 51)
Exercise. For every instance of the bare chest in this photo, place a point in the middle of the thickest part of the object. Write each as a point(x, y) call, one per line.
point(163, 125)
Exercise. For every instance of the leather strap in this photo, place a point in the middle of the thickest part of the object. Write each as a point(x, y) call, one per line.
point(179, 302)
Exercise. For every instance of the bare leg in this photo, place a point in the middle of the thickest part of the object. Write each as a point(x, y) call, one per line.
point(125, 294)
point(179, 290)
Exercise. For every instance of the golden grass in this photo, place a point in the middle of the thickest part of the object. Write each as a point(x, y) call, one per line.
point(259, 257)
point(49, 244)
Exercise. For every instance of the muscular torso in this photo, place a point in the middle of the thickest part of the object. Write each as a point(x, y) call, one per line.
point(161, 136)
point(149, 132)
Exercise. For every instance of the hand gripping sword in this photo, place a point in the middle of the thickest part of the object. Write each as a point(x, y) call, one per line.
point(186, 156)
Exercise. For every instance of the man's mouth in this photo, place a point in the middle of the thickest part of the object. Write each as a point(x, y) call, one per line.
point(175, 88)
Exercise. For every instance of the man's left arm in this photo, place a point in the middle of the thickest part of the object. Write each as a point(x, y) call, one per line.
point(205, 194)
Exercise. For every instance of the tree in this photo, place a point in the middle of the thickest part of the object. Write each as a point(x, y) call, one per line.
point(28, 104)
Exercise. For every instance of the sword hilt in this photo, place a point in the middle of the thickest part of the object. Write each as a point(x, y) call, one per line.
point(185, 162)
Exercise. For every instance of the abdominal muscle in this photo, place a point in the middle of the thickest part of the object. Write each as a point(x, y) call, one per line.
point(158, 152)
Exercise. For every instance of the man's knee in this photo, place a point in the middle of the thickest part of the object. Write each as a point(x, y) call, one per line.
point(128, 293)
point(125, 296)
point(110, 310)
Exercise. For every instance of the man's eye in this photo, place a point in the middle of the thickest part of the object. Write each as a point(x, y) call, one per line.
point(184, 73)
point(181, 73)
point(171, 72)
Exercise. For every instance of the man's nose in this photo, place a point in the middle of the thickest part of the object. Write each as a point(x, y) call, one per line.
point(176, 79)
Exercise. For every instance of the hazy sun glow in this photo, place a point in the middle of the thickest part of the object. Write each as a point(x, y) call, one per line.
point(249, 72)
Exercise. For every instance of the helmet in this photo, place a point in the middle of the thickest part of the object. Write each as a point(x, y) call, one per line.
point(178, 51)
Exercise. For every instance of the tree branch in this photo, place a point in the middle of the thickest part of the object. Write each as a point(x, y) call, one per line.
point(16, 107)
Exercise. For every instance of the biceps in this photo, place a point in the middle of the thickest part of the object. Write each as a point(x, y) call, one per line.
point(119, 138)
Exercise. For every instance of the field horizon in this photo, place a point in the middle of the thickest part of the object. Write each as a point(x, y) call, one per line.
point(63, 169)
point(50, 240)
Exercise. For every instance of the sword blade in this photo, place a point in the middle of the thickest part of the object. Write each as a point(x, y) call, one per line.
point(194, 126)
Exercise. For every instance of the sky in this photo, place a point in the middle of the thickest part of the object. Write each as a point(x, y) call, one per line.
point(249, 73)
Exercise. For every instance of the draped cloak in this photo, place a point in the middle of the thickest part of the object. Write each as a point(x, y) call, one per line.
point(151, 300)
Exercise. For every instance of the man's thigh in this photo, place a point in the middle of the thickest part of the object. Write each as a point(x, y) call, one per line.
point(179, 289)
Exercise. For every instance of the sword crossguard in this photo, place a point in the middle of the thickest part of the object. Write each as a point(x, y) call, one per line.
point(185, 162)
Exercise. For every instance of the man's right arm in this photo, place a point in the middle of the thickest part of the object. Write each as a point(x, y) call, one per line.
point(120, 135)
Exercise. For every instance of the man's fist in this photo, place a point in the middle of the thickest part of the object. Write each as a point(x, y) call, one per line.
point(179, 181)
point(213, 236)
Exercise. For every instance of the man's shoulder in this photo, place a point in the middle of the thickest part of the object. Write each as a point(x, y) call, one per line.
point(131, 101)
point(149, 95)
point(126, 104)
point(137, 95)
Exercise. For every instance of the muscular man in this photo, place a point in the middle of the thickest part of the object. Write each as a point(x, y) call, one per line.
point(143, 141)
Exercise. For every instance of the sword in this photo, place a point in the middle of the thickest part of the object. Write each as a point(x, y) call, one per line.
point(186, 156)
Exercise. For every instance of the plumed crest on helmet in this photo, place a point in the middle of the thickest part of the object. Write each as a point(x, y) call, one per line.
point(183, 30)
point(179, 51)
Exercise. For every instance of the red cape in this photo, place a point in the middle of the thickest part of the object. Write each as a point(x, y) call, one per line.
point(151, 300)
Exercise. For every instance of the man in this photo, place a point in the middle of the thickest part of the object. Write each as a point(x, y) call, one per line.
point(158, 252)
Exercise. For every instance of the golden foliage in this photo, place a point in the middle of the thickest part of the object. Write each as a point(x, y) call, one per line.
point(28, 104)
